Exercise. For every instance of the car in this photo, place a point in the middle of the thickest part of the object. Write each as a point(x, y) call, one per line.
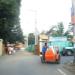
point(68, 51)
point(51, 55)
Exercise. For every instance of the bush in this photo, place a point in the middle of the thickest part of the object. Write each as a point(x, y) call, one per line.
point(30, 48)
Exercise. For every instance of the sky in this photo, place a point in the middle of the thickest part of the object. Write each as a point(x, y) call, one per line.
point(45, 13)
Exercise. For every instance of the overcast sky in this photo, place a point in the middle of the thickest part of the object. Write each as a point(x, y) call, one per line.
point(49, 12)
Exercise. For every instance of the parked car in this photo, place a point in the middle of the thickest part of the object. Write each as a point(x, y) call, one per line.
point(68, 51)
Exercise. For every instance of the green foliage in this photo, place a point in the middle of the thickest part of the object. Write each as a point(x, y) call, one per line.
point(10, 29)
point(57, 30)
point(30, 48)
point(60, 29)
point(31, 39)
point(68, 32)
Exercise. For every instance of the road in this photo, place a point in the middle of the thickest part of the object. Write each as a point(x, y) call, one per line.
point(31, 65)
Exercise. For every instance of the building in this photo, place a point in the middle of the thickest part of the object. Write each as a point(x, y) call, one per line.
point(42, 39)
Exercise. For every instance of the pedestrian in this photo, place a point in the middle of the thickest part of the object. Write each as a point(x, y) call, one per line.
point(44, 48)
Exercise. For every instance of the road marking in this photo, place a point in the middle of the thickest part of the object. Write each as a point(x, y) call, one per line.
point(63, 73)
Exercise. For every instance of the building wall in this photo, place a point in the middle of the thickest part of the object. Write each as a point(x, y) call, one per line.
point(1, 47)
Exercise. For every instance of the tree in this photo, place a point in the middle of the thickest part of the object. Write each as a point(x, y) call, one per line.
point(69, 32)
point(18, 34)
point(31, 39)
point(60, 29)
point(9, 18)
point(56, 30)
point(51, 30)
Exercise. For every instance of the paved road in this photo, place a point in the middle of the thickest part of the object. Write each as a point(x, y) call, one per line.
point(66, 59)
point(21, 64)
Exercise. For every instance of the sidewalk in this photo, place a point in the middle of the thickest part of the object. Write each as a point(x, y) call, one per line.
point(70, 67)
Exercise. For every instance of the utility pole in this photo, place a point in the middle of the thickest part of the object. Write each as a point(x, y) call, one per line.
point(73, 23)
point(36, 30)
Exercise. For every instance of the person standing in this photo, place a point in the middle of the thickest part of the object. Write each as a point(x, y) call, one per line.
point(44, 48)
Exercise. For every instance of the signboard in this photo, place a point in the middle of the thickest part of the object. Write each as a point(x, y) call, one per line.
point(57, 39)
point(43, 37)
